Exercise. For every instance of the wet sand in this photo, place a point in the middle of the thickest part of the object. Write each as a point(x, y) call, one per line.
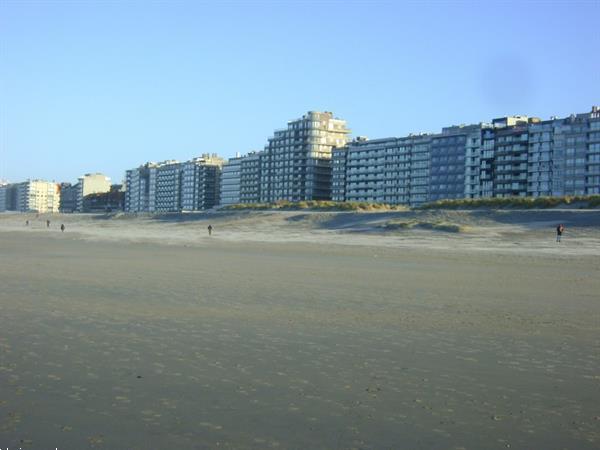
point(117, 344)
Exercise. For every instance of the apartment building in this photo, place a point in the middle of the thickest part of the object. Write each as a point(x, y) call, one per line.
point(296, 163)
point(509, 165)
point(30, 196)
point(511, 156)
point(455, 162)
point(173, 186)
point(201, 184)
point(164, 187)
point(250, 177)
point(592, 180)
point(91, 183)
point(105, 202)
point(5, 197)
point(68, 197)
point(564, 155)
point(312, 159)
point(339, 169)
point(231, 181)
point(541, 160)
point(579, 137)
point(137, 188)
point(390, 170)
point(241, 179)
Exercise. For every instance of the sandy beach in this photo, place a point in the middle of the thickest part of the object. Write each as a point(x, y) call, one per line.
point(297, 330)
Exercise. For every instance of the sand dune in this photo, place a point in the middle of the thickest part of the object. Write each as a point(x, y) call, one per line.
point(514, 231)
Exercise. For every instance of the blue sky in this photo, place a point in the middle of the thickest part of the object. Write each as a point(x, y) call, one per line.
point(105, 86)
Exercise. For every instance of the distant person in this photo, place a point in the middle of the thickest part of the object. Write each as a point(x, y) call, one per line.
point(62, 227)
point(210, 230)
point(27, 223)
point(559, 231)
point(47, 224)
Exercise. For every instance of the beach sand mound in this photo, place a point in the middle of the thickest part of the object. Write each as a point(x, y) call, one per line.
point(482, 229)
point(448, 227)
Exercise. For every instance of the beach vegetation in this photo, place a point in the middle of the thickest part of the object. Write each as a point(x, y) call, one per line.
point(317, 205)
point(583, 201)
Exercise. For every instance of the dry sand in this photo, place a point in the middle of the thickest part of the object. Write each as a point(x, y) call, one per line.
point(300, 330)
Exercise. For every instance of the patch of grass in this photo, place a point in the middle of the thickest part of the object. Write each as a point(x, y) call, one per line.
point(585, 201)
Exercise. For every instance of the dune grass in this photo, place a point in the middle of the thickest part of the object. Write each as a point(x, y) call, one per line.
point(317, 205)
point(585, 201)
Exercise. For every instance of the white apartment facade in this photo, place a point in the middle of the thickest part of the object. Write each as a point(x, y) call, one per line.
point(36, 196)
point(91, 183)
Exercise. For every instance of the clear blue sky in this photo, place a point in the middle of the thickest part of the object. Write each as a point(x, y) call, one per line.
point(104, 86)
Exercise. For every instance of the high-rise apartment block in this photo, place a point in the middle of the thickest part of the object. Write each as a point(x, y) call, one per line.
point(172, 186)
point(250, 177)
point(390, 170)
point(241, 179)
point(6, 197)
point(455, 162)
point(201, 185)
point(313, 158)
point(512, 156)
point(230, 181)
point(296, 163)
point(30, 196)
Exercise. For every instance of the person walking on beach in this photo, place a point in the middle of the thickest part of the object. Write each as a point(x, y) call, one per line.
point(210, 230)
point(559, 231)
point(62, 227)
point(27, 223)
point(47, 224)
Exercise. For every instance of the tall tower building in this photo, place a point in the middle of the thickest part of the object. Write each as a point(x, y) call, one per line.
point(296, 163)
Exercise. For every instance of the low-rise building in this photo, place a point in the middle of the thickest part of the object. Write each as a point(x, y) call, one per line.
point(91, 183)
point(105, 202)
